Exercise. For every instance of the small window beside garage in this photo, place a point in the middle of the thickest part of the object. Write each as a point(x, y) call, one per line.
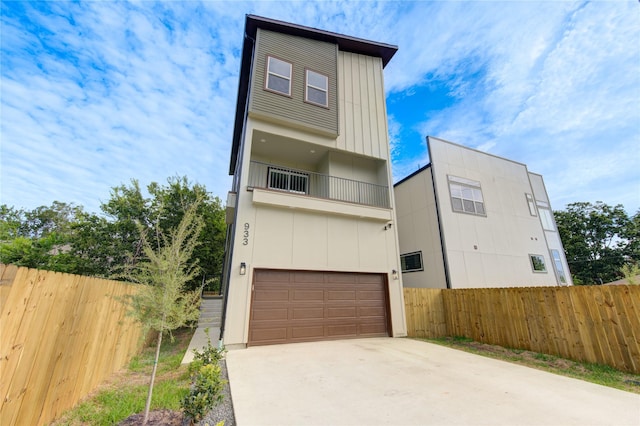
point(411, 262)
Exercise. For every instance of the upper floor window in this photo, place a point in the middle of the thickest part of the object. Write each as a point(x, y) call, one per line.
point(317, 88)
point(466, 196)
point(411, 262)
point(278, 76)
point(531, 203)
point(546, 217)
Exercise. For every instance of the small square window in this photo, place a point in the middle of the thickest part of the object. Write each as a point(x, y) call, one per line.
point(537, 263)
point(411, 262)
point(278, 78)
point(317, 88)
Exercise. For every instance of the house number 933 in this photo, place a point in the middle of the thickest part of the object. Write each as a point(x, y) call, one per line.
point(245, 235)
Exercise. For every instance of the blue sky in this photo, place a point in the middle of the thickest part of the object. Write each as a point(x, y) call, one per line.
point(95, 94)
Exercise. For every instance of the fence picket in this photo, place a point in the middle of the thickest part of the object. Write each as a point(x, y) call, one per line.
point(62, 335)
point(594, 324)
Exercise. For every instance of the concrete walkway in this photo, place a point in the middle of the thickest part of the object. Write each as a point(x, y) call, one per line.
point(210, 317)
point(387, 381)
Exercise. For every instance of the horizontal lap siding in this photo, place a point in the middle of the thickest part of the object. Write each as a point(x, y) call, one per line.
point(303, 54)
point(295, 306)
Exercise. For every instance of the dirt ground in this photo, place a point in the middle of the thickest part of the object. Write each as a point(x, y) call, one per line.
point(156, 418)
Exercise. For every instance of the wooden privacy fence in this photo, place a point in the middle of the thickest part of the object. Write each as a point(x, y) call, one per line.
point(61, 336)
point(597, 324)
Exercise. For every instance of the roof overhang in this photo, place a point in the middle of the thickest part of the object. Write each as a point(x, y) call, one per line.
point(252, 23)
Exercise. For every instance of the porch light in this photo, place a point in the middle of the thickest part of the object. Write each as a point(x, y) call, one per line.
point(243, 268)
point(394, 274)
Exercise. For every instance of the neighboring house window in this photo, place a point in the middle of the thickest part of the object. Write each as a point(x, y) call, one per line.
point(557, 261)
point(532, 204)
point(546, 217)
point(287, 180)
point(317, 88)
point(537, 263)
point(411, 262)
point(466, 196)
point(278, 76)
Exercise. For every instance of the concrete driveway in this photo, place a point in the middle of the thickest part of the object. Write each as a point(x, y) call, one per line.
point(385, 381)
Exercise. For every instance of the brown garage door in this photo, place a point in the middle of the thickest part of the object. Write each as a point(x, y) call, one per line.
point(302, 306)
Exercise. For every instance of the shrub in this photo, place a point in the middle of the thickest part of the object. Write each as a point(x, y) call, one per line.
point(205, 393)
point(206, 390)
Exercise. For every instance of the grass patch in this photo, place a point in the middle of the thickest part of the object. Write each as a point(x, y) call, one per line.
point(125, 394)
point(594, 373)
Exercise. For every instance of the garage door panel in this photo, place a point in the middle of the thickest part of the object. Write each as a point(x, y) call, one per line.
point(371, 311)
point(370, 279)
point(267, 314)
point(341, 295)
point(308, 277)
point(271, 295)
point(343, 330)
point(299, 306)
point(269, 335)
point(370, 295)
point(308, 294)
point(308, 313)
point(266, 275)
point(308, 332)
point(345, 312)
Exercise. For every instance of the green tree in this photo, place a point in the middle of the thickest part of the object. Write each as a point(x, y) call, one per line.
point(39, 238)
point(170, 202)
point(10, 222)
point(596, 240)
point(62, 237)
point(162, 303)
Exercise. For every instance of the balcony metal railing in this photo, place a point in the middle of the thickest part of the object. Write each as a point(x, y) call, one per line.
point(269, 176)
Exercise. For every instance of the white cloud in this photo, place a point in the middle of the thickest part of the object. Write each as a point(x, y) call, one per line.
point(97, 93)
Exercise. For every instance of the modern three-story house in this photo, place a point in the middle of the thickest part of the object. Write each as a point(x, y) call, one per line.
point(312, 248)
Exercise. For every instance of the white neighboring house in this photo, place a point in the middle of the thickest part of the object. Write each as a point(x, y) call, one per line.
point(310, 252)
point(471, 220)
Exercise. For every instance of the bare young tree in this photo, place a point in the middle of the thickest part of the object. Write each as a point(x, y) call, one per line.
point(162, 303)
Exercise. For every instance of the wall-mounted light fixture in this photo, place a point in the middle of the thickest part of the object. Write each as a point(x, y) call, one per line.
point(394, 274)
point(243, 268)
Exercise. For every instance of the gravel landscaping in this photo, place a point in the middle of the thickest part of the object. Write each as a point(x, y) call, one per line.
point(224, 410)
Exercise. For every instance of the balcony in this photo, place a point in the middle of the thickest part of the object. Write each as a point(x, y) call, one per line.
point(311, 184)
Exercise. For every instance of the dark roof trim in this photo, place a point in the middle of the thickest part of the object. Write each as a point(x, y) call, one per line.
point(412, 175)
point(252, 23)
point(345, 43)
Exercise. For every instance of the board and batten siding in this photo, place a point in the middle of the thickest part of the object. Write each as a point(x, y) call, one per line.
point(363, 115)
point(303, 54)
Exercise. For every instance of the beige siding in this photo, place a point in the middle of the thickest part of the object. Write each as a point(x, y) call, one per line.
point(418, 230)
point(287, 231)
point(363, 115)
point(303, 54)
